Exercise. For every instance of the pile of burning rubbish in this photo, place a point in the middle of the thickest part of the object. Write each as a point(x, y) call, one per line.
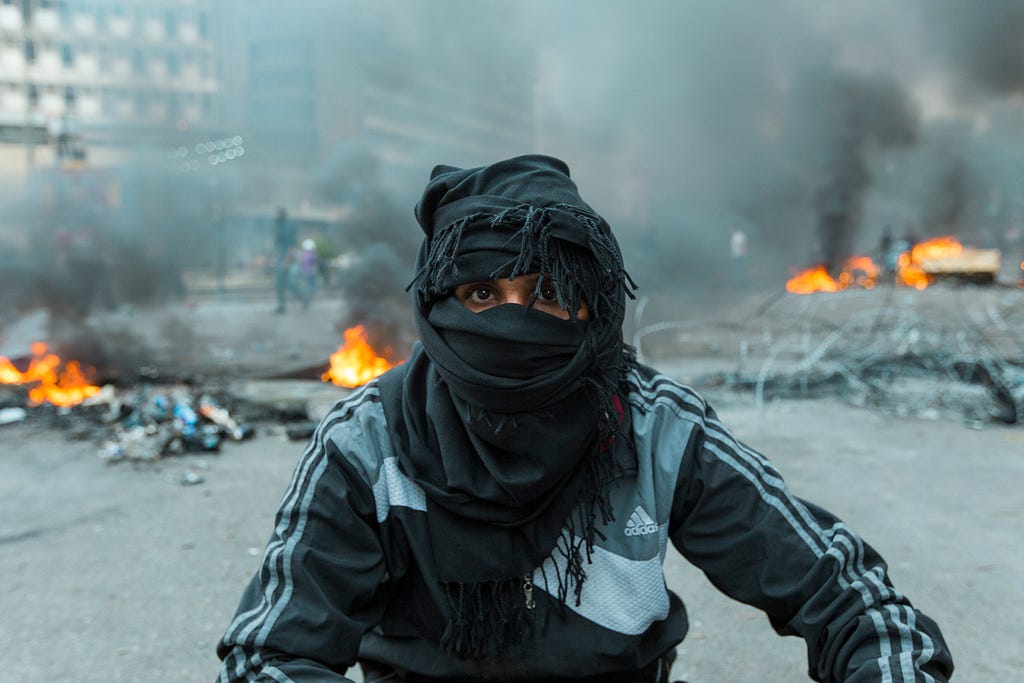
point(955, 352)
point(917, 266)
point(968, 361)
point(149, 420)
point(141, 423)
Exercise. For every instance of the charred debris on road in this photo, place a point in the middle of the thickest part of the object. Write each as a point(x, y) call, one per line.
point(956, 354)
point(150, 419)
point(144, 414)
point(962, 359)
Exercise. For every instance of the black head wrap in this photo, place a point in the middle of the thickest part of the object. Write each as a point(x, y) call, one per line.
point(507, 417)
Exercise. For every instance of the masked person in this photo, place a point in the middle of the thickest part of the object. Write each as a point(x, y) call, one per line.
point(499, 506)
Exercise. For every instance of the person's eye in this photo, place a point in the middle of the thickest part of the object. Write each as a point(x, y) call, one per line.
point(480, 295)
point(547, 293)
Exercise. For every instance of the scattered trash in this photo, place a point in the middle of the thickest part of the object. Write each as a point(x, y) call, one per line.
point(216, 413)
point(190, 478)
point(12, 415)
point(300, 430)
point(147, 423)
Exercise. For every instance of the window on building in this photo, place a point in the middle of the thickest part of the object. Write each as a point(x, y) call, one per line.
point(173, 65)
point(69, 98)
point(30, 51)
point(138, 61)
point(33, 96)
point(109, 103)
point(170, 23)
point(67, 55)
point(203, 24)
point(108, 15)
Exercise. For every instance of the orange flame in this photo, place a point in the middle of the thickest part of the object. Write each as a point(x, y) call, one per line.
point(908, 265)
point(814, 279)
point(67, 386)
point(858, 271)
point(355, 362)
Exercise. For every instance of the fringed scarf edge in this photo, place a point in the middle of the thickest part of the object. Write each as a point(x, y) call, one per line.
point(495, 618)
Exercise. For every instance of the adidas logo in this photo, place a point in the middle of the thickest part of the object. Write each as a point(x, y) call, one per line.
point(640, 523)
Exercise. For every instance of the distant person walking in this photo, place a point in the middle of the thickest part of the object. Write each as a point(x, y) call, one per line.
point(309, 268)
point(284, 247)
point(738, 253)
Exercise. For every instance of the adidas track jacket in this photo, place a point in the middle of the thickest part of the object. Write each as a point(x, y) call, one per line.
point(347, 572)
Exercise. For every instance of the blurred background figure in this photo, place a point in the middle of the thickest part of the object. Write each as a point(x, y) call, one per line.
point(309, 268)
point(738, 252)
point(284, 243)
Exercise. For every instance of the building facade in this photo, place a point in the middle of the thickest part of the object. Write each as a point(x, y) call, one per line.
point(103, 75)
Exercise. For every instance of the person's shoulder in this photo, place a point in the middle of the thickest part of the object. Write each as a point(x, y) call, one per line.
point(651, 391)
point(356, 430)
point(360, 404)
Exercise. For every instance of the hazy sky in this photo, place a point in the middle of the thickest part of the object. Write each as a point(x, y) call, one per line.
point(813, 125)
point(682, 117)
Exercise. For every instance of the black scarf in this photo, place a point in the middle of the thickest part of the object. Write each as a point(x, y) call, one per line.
point(506, 418)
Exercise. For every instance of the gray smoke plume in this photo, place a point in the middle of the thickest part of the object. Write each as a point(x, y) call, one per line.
point(380, 245)
point(813, 126)
point(859, 117)
point(980, 42)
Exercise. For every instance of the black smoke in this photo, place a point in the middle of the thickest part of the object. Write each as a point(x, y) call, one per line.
point(980, 42)
point(860, 117)
point(379, 239)
point(812, 125)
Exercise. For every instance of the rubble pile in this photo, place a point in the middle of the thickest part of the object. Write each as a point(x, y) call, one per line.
point(965, 363)
point(147, 422)
point(142, 423)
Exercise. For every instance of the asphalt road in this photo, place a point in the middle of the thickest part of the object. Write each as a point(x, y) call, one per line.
point(121, 573)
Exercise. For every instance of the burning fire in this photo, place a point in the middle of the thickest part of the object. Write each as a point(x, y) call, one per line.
point(858, 271)
point(814, 279)
point(355, 362)
point(861, 271)
point(908, 266)
point(67, 386)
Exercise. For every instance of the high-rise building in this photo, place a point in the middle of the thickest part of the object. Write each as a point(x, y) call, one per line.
point(309, 83)
point(106, 74)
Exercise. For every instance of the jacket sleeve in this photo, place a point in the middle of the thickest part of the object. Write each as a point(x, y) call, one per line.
point(316, 593)
point(734, 518)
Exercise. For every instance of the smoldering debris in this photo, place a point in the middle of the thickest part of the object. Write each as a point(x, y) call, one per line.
point(150, 422)
point(964, 362)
